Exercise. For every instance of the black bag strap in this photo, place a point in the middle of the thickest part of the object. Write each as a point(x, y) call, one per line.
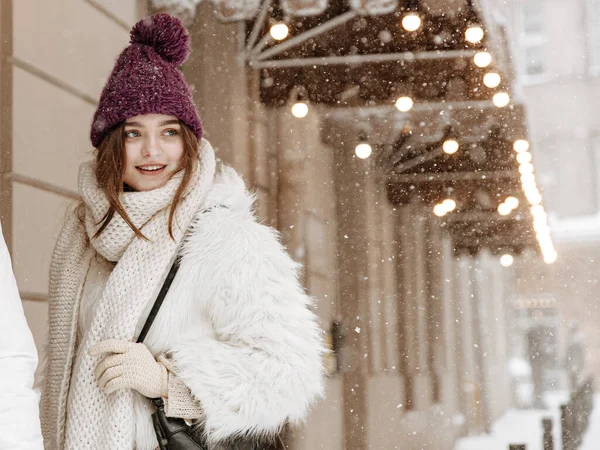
point(163, 291)
point(159, 300)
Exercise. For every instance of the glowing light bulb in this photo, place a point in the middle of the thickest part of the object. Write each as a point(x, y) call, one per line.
point(440, 210)
point(279, 31)
point(482, 59)
point(300, 110)
point(411, 22)
point(504, 209)
point(512, 202)
point(524, 157)
point(449, 204)
point(404, 104)
point(450, 146)
point(521, 145)
point(507, 260)
point(363, 150)
point(474, 34)
point(501, 99)
point(492, 79)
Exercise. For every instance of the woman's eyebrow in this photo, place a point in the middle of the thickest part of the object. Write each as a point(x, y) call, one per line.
point(169, 122)
point(161, 124)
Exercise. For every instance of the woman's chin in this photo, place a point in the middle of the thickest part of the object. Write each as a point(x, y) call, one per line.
point(147, 185)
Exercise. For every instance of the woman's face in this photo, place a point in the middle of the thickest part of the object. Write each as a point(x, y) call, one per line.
point(153, 151)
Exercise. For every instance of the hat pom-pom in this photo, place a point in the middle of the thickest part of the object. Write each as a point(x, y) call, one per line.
point(166, 34)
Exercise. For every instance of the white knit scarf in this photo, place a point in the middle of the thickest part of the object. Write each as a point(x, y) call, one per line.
point(97, 420)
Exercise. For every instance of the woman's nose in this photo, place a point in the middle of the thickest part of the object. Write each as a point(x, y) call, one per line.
point(151, 147)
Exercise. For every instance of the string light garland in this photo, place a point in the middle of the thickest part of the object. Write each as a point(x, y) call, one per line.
point(534, 197)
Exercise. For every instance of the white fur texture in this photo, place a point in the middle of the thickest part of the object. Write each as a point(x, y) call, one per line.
point(237, 323)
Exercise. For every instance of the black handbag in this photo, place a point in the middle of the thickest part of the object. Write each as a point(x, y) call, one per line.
point(172, 433)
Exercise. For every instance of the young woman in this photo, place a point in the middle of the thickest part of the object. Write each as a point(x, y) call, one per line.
point(19, 414)
point(235, 346)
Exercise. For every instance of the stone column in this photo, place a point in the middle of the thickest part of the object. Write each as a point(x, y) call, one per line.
point(413, 250)
point(500, 304)
point(376, 301)
point(449, 381)
point(441, 314)
point(494, 335)
point(389, 283)
point(469, 383)
point(485, 339)
point(306, 217)
point(351, 182)
point(434, 305)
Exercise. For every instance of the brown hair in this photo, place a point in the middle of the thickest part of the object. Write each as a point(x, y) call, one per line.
point(110, 167)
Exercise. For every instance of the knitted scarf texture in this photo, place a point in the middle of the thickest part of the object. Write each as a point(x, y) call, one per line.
point(96, 420)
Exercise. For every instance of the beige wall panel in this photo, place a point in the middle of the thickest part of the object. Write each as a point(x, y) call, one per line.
point(68, 39)
point(125, 10)
point(51, 131)
point(324, 427)
point(37, 219)
point(37, 318)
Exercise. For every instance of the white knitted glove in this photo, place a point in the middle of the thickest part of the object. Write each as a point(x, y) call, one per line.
point(130, 365)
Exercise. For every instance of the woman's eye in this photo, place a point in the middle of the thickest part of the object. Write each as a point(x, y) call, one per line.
point(132, 134)
point(171, 132)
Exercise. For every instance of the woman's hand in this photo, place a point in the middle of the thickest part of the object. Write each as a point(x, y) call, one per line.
point(129, 365)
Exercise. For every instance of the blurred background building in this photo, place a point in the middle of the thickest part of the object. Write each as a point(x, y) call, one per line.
point(556, 51)
point(388, 142)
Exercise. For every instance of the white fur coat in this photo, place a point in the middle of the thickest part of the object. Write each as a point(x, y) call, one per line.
point(237, 324)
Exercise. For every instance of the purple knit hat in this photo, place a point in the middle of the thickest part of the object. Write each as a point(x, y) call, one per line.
point(146, 78)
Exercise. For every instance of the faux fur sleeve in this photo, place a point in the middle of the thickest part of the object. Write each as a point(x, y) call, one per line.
point(263, 367)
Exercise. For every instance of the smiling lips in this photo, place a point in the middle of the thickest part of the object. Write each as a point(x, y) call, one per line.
point(151, 169)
